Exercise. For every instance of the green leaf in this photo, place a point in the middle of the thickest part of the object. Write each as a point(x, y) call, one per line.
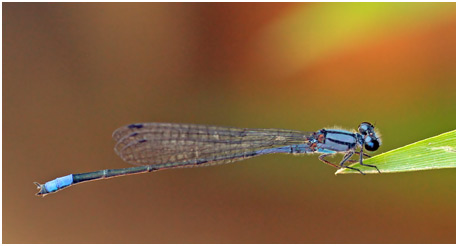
point(431, 153)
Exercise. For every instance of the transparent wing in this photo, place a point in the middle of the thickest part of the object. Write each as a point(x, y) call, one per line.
point(186, 144)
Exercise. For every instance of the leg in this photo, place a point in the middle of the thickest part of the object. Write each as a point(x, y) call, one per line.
point(321, 157)
point(357, 161)
point(345, 159)
point(361, 153)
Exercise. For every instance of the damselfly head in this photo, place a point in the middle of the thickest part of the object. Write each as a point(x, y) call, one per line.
point(371, 141)
point(365, 128)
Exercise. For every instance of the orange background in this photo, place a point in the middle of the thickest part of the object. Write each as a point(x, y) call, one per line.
point(74, 72)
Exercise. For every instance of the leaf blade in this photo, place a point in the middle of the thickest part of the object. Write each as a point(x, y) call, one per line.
point(432, 153)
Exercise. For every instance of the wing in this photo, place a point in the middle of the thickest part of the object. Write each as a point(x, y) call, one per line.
point(172, 145)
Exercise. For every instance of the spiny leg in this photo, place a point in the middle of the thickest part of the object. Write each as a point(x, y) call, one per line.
point(366, 155)
point(357, 161)
point(345, 159)
point(321, 157)
point(361, 153)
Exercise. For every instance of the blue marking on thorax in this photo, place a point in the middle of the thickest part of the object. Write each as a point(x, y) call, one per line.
point(335, 138)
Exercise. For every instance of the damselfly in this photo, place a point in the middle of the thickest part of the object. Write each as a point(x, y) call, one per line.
point(157, 146)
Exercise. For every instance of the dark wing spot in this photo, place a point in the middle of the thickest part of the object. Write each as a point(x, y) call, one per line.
point(201, 162)
point(250, 154)
point(137, 126)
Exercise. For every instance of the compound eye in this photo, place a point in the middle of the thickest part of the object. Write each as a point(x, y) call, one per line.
point(371, 145)
point(365, 127)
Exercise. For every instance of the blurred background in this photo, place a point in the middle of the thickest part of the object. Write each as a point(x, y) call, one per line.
point(74, 72)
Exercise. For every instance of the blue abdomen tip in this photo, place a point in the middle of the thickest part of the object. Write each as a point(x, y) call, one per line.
point(59, 183)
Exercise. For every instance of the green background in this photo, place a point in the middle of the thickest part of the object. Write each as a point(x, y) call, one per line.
point(73, 73)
